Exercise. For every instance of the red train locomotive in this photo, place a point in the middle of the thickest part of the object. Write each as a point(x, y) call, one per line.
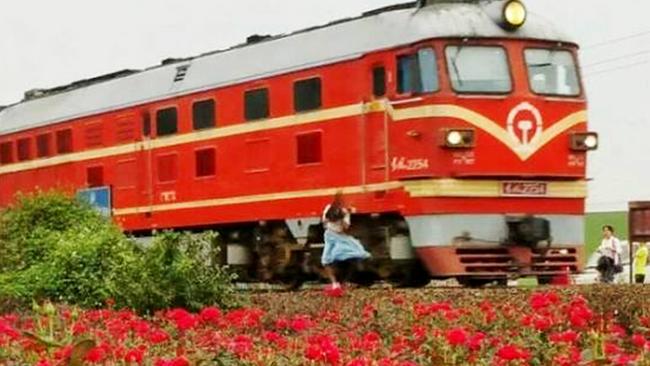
point(457, 129)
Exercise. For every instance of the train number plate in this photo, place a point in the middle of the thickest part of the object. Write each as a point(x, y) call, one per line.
point(524, 189)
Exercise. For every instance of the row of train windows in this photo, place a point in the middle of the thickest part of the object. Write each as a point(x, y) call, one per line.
point(46, 145)
point(308, 152)
point(307, 97)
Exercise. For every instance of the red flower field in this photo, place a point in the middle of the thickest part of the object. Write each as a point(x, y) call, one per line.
point(601, 325)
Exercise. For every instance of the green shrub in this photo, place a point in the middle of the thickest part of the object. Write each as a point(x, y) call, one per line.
point(178, 270)
point(55, 248)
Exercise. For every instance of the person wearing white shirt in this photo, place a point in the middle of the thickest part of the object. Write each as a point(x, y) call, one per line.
point(610, 250)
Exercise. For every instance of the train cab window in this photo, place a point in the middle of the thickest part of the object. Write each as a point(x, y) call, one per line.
point(166, 121)
point(6, 153)
point(418, 72)
point(24, 149)
point(205, 162)
point(43, 145)
point(552, 72)
point(203, 114)
point(379, 81)
point(95, 176)
point(309, 148)
point(307, 95)
point(478, 69)
point(256, 104)
point(64, 141)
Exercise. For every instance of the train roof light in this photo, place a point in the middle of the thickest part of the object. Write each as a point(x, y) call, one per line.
point(514, 14)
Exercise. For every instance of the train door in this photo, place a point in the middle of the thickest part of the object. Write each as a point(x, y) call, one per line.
point(145, 162)
point(376, 128)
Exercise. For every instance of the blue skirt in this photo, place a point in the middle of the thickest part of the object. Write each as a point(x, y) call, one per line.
point(341, 247)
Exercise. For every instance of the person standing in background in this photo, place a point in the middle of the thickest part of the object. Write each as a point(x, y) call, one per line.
point(640, 262)
point(610, 251)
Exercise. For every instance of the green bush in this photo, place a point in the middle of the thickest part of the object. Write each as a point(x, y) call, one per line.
point(178, 270)
point(55, 248)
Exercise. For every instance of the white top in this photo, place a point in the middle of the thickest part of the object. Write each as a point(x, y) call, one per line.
point(337, 226)
point(611, 248)
point(338, 41)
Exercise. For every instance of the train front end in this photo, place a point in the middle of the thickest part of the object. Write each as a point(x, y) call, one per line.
point(490, 140)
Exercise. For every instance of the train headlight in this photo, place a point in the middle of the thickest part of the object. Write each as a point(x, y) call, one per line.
point(514, 14)
point(458, 138)
point(584, 141)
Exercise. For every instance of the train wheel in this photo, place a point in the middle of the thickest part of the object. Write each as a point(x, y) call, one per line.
point(414, 276)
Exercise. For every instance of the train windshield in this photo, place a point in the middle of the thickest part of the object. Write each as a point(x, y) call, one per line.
point(478, 69)
point(552, 72)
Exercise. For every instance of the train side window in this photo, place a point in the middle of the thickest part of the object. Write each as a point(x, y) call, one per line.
point(379, 81)
point(418, 72)
point(167, 168)
point(43, 145)
point(95, 176)
point(309, 148)
point(146, 124)
point(256, 104)
point(205, 162)
point(64, 141)
point(6, 152)
point(203, 114)
point(24, 149)
point(166, 121)
point(307, 95)
point(407, 78)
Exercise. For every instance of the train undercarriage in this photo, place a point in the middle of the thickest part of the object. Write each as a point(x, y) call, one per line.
point(289, 252)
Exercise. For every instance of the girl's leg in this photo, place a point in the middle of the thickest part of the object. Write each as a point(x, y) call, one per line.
point(329, 272)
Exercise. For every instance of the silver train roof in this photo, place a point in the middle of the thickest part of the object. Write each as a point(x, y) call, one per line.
point(338, 41)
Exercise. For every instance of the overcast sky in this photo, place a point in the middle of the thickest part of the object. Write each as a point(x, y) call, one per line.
point(50, 43)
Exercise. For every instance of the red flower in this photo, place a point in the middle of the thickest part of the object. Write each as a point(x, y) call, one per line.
point(542, 323)
point(612, 348)
point(639, 340)
point(210, 315)
point(134, 355)
point(178, 361)
point(456, 337)
point(96, 355)
point(511, 352)
point(541, 300)
point(476, 341)
point(568, 336)
point(158, 336)
point(300, 323)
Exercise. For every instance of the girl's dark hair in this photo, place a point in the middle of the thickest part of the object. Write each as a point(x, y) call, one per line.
point(609, 227)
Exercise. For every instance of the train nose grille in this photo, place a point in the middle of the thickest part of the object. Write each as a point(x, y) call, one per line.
point(524, 261)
